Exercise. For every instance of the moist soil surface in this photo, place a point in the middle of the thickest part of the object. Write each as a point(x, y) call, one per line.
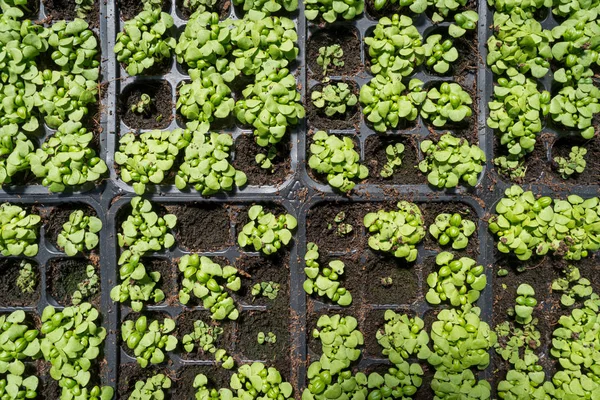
point(221, 7)
point(10, 294)
point(59, 216)
point(376, 159)
point(404, 288)
point(246, 149)
point(63, 275)
point(185, 325)
point(184, 389)
point(130, 8)
point(320, 121)
point(194, 220)
point(322, 228)
point(168, 273)
point(161, 105)
point(348, 41)
point(65, 9)
point(257, 269)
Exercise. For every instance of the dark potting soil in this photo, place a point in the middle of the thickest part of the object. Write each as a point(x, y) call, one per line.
point(405, 283)
point(246, 149)
point(162, 105)
point(591, 174)
point(194, 220)
point(168, 272)
point(257, 269)
point(217, 378)
point(130, 373)
point(322, 228)
point(388, 10)
point(59, 216)
point(194, 301)
point(63, 276)
point(374, 321)
point(376, 159)
point(130, 8)
point(65, 9)
point(348, 40)
point(10, 294)
point(320, 121)
point(185, 325)
point(221, 8)
point(275, 354)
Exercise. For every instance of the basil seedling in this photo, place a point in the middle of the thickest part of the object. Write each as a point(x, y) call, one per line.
point(19, 343)
point(206, 97)
point(416, 6)
point(266, 232)
point(149, 339)
point(151, 388)
point(19, 231)
point(573, 285)
point(87, 288)
point(15, 148)
point(449, 103)
point(439, 55)
point(452, 228)
point(466, 20)
point(403, 337)
point(27, 279)
point(258, 380)
point(330, 58)
point(203, 392)
point(340, 340)
point(324, 282)
point(137, 284)
point(79, 233)
point(393, 153)
point(268, 289)
point(205, 337)
point(269, 338)
point(575, 164)
point(268, 6)
point(334, 98)
point(330, 11)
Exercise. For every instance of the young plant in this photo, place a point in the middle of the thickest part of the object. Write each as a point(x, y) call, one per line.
point(450, 161)
point(340, 340)
point(149, 341)
point(265, 232)
point(396, 232)
point(386, 101)
point(265, 161)
point(463, 383)
point(148, 157)
point(15, 148)
point(206, 165)
point(330, 11)
point(464, 21)
point(27, 279)
point(323, 385)
point(206, 97)
point(207, 281)
point(268, 289)
point(401, 381)
point(137, 284)
point(83, 8)
point(403, 337)
point(416, 6)
point(256, 379)
point(439, 55)
point(87, 288)
point(449, 103)
point(15, 387)
point(337, 159)
point(334, 98)
point(19, 231)
point(203, 392)
point(575, 106)
point(268, 6)
point(573, 286)
point(444, 8)
point(269, 338)
point(393, 153)
point(145, 41)
point(143, 106)
point(453, 228)
point(151, 388)
point(387, 281)
point(205, 337)
point(324, 282)
point(200, 6)
point(330, 58)
point(341, 228)
point(79, 233)
point(572, 165)
point(19, 343)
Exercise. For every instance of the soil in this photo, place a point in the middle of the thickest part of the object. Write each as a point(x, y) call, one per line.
point(59, 216)
point(183, 386)
point(374, 321)
point(130, 8)
point(258, 269)
point(193, 221)
point(63, 275)
point(222, 8)
point(376, 159)
point(49, 388)
point(185, 325)
point(405, 283)
point(10, 294)
point(246, 149)
point(348, 40)
point(162, 104)
point(65, 9)
point(591, 174)
point(130, 373)
point(320, 121)
point(322, 228)
point(389, 9)
point(167, 276)
point(33, 6)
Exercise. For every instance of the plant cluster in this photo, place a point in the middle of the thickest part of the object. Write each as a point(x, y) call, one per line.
point(15, 387)
point(205, 337)
point(439, 54)
point(268, 289)
point(256, 379)
point(575, 164)
point(452, 229)
point(87, 288)
point(143, 105)
point(27, 279)
point(269, 338)
point(79, 233)
point(336, 158)
point(403, 337)
point(203, 392)
point(334, 99)
point(151, 388)
point(325, 281)
point(268, 6)
point(450, 161)
point(396, 231)
point(19, 231)
point(575, 107)
point(207, 281)
point(147, 157)
point(15, 147)
point(83, 8)
point(266, 232)
point(137, 284)
point(573, 286)
point(466, 20)
point(449, 103)
point(526, 226)
point(341, 228)
point(200, 5)
point(340, 339)
point(330, 58)
point(149, 339)
point(393, 153)
point(330, 11)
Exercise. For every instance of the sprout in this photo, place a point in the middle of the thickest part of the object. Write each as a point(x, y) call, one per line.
point(439, 55)
point(324, 282)
point(19, 231)
point(151, 388)
point(449, 103)
point(453, 229)
point(335, 98)
point(330, 11)
point(149, 339)
point(143, 106)
point(269, 338)
point(573, 286)
point(575, 106)
point(268, 6)
point(574, 164)
point(330, 57)
point(466, 20)
point(205, 337)
point(87, 288)
point(266, 232)
point(393, 153)
point(27, 279)
point(79, 233)
point(403, 337)
point(268, 289)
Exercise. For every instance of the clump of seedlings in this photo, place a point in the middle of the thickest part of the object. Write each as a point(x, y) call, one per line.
point(268, 338)
point(464, 21)
point(79, 233)
point(15, 387)
point(265, 161)
point(449, 103)
point(268, 289)
point(325, 281)
point(575, 164)
point(145, 41)
point(87, 288)
point(393, 153)
point(205, 337)
point(15, 148)
point(416, 6)
point(459, 282)
point(403, 337)
point(340, 340)
point(19, 343)
point(199, 6)
point(573, 286)
point(137, 284)
point(203, 392)
point(19, 231)
point(268, 6)
point(439, 55)
point(450, 161)
point(149, 339)
point(447, 385)
point(207, 281)
point(341, 228)
point(330, 11)
point(151, 388)
point(83, 8)
point(396, 232)
point(334, 99)
point(266, 232)
point(337, 159)
point(148, 157)
point(256, 379)
point(452, 229)
point(575, 106)
point(27, 279)
point(330, 58)
point(143, 106)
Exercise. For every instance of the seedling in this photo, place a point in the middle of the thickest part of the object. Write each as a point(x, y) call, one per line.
point(463, 381)
point(27, 279)
point(269, 338)
point(268, 6)
point(19, 231)
point(337, 159)
point(15, 148)
point(341, 228)
point(573, 286)
point(324, 282)
point(205, 337)
point(340, 340)
point(265, 232)
point(151, 388)
point(393, 153)
point(396, 232)
point(334, 98)
point(206, 97)
point(439, 55)
point(331, 11)
point(257, 379)
point(143, 106)
point(14, 386)
point(452, 228)
point(572, 165)
point(83, 8)
point(149, 341)
point(79, 233)
point(387, 281)
point(575, 106)
point(87, 288)
point(265, 161)
point(203, 392)
point(20, 343)
point(416, 6)
point(330, 58)
point(444, 8)
point(403, 337)
point(200, 6)
point(449, 103)
point(466, 20)
point(268, 289)
point(137, 284)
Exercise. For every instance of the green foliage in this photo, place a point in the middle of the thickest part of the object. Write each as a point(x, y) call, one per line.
point(149, 339)
point(18, 343)
point(574, 164)
point(206, 165)
point(87, 288)
point(268, 6)
point(386, 101)
point(462, 384)
point(403, 337)
point(66, 159)
point(334, 98)
point(15, 148)
point(343, 386)
point(266, 232)
point(79, 233)
point(265, 161)
point(83, 7)
point(393, 153)
point(205, 337)
point(324, 282)
point(525, 303)
point(575, 106)
point(206, 97)
point(207, 281)
point(143, 106)
point(151, 388)
point(396, 232)
point(573, 286)
point(459, 282)
point(200, 6)
point(508, 6)
point(449, 103)
point(203, 392)
point(451, 160)
point(336, 158)
point(268, 289)
point(145, 41)
point(257, 379)
point(416, 6)
point(341, 228)
point(147, 158)
point(466, 20)
point(401, 381)
point(15, 387)
point(269, 338)
point(137, 284)
point(330, 58)
point(439, 55)
point(340, 338)
point(452, 228)
point(330, 11)
point(152, 4)
point(27, 279)
point(19, 231)
point(444, 7)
